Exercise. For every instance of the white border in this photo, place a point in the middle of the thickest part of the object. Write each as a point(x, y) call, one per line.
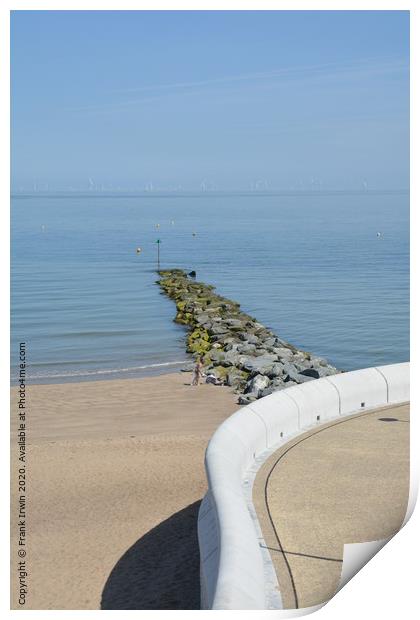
point(365, 594)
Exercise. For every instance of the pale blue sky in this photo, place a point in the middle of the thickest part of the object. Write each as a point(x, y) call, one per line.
point(292, 99)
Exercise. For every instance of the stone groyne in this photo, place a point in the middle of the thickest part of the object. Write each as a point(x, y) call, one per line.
point(236, 349)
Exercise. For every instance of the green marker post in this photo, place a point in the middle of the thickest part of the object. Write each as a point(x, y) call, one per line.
point(158, 254)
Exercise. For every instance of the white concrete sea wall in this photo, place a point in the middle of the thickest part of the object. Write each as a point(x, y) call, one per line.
point(231, 562)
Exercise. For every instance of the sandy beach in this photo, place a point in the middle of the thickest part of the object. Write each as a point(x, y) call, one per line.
point(115, 478)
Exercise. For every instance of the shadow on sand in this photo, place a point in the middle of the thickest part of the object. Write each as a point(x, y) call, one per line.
point(161, 570)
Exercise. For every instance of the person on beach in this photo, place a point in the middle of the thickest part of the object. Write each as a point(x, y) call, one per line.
point(211, 378)
point(197, 372)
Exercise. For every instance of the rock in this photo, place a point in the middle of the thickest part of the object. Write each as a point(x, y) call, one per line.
point(246, 348)
point(277, 370)
point(234, 323)
point(283, 353)
point(297, 377)
point(326, 371)
point(301, 356)
point(232, 346)
point(249, 338)
point(301, 365)
point(216, 355)
point(305, 378)
point(220, 372)
point(270, 342)
point(259, 365)
point(318, 361)
point(278, 380)
point(198, 341)
point(310, 372)
point(217, 329)
point(236, 377)
point(256, 385)
point(279, 384)
point(223, 341)
point(232, 358)
point(259, 351)
point(272, 388)
point(202, 318)
point(268, 390)
point(291, 374)
point(262, 335)
point(288, 367)
point(246, 399)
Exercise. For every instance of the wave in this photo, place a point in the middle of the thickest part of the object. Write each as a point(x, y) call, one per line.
point(102, 371)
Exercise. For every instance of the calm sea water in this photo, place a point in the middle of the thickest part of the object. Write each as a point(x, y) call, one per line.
point(311, 267)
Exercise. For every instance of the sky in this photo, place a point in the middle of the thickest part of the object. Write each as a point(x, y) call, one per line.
point(207, 100)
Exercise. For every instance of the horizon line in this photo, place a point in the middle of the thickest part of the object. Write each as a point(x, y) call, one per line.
point(197, 192)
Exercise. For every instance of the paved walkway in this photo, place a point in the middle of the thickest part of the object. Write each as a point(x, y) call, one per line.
point(344, 482)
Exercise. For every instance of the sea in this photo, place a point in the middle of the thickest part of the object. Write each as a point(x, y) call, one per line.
point(328, 272)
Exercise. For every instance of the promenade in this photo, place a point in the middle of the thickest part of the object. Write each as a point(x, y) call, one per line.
point(343, 482)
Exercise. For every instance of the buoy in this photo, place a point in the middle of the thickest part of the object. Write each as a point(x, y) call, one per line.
point(157, 225)
point(379, 234)
point(172, 222)
point(193, 234)
point(138, 250)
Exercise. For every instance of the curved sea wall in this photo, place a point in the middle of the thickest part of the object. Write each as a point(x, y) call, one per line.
point(236, 349)
point(231, 560)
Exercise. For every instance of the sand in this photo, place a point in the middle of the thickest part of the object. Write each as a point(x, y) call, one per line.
point(115, 478)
